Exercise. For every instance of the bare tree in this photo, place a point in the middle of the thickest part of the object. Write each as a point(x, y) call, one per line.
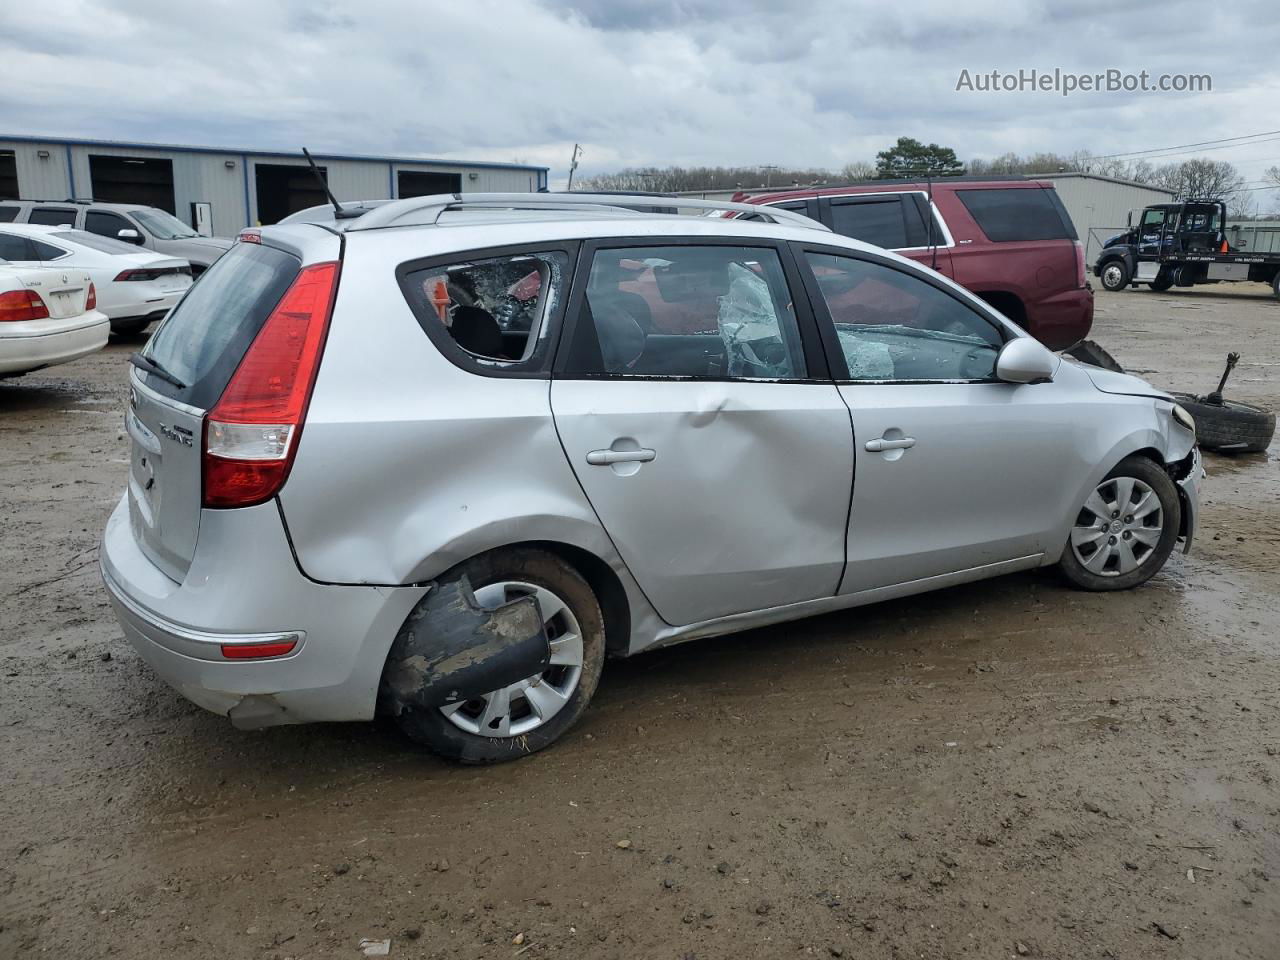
point(681, 179)
point(1199, 177)
point(857, 170)
point(1273, 174)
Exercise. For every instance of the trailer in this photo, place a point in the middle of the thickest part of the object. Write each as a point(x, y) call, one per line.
point(1182, 244)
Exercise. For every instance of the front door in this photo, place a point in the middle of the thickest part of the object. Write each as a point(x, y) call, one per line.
point(954, 469)
point(703, 426)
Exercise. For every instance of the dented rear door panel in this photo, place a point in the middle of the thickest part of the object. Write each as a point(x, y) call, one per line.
point(744, 502)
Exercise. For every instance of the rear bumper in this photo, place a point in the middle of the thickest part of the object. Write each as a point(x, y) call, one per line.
point(42, 343)
point(1063, 320)
point(152, 307)
point(244, 587)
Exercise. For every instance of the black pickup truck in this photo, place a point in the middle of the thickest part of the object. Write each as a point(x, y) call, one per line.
point(1181, 244)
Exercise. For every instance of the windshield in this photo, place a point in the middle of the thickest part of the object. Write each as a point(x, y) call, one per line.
point(163, 226)
point(95, 242)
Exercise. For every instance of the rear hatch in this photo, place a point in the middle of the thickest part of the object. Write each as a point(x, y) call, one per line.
point(64, 292)
point(199, 346)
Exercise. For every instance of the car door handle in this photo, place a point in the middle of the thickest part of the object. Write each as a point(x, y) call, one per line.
point(604, 458)
point(879, 446)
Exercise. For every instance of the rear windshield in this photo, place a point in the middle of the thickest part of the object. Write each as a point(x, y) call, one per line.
point(1018, 214)
point(95, 242)
point(205, 337)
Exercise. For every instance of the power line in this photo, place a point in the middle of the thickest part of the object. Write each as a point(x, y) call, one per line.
point(1180, 146)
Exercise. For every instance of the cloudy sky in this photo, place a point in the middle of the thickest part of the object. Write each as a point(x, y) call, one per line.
point(637, 82)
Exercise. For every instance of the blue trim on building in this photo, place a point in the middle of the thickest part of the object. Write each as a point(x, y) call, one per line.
point(222, 151)
point(71, 175)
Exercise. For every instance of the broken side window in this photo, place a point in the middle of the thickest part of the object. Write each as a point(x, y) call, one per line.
point(892, 325)
point(688, 311)
point(494, 308)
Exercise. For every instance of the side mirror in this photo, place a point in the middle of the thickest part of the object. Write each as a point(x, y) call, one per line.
point(1024, 360)
point(130, 236)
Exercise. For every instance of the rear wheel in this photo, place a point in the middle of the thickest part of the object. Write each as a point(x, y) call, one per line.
point(1162, 282)
point(1125, 530)
point(532, 713)
point(1114, 276)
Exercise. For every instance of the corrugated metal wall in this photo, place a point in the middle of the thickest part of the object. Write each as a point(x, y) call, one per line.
point(226, 180)
point(1098, 207)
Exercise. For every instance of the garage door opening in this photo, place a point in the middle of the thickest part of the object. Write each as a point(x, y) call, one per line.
point(8, 176)
point(286, 188)
point(421, 183)
point(145, 180)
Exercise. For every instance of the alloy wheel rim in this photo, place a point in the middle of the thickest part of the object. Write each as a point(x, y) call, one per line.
point(524, 706)
point(1112, 275)
point(1119, 527)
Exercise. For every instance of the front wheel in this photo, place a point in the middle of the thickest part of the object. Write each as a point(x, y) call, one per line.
point(532, 713)
point(1125, 530)
point(1114, 276)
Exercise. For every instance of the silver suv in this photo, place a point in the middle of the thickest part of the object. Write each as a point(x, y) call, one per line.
point(438, 457)
point(135, 223)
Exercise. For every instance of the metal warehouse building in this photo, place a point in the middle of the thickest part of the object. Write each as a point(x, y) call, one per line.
point(221, 191)
point(1099, 205)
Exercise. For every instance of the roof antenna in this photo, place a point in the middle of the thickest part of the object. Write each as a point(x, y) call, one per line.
point(338, 212)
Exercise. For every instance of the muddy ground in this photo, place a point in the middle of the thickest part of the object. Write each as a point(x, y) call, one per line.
point(1000, 769)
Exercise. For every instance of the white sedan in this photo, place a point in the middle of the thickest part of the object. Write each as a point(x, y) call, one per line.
point(47, 316)
point(134, 286)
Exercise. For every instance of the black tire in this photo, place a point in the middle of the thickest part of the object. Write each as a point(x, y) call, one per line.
point(1275, 284)
point(1233, 427)
point(432, 729)
point(1114, 275)
point(1162, 282)
point(1158, 480)
point(1088, 351)
point(129, 328)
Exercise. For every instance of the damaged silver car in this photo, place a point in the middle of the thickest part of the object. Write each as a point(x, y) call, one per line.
point(439, 457)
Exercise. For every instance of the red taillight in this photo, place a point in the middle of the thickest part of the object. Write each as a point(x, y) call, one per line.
point(251, 435)
point(250, 236)
point(257, 651)
point(1080, 271)
point(91, 301)
point(19, 305)
point(134, 275)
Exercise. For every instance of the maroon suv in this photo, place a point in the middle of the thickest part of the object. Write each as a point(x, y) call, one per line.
point(1009, 241)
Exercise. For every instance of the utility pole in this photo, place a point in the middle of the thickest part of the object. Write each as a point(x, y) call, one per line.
point(573, 164)
point(769, 168)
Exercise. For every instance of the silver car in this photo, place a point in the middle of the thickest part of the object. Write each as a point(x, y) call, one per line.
point(438, 457)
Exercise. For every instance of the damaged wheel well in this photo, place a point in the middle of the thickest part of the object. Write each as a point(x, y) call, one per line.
point(604, 584)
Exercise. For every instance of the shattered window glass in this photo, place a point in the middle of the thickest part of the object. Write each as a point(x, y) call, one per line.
point(495, 308)
point(688, 311)
point(894, 326)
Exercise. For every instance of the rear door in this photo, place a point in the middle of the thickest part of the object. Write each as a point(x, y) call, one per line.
point(200, 344)
point(717, 455)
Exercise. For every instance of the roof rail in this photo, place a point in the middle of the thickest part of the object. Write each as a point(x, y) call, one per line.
point(427, 210)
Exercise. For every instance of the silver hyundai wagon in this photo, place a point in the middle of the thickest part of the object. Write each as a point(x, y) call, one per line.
point(438, 457)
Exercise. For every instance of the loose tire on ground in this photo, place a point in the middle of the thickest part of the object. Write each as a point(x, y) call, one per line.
point(1114, 275)
point(1233, 427)
point(1162, 282)
point(1109, 523)
point(539, 568)
point(1088, 351)
point(1275, 284)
